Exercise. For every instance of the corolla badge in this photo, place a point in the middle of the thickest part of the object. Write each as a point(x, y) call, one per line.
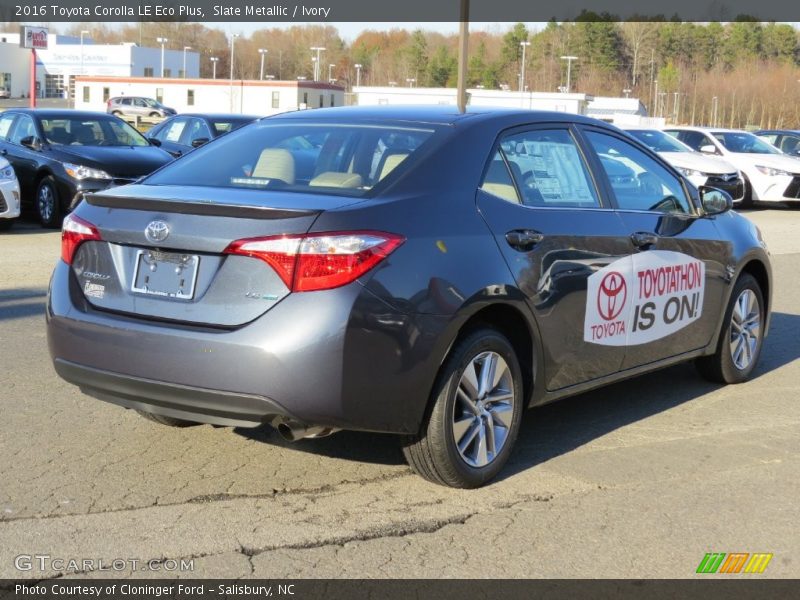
point(157, 231)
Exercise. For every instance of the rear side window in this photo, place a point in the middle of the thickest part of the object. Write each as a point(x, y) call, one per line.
point(548, 170)
point(307, 157)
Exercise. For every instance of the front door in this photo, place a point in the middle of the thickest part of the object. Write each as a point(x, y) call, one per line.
point(677, 275)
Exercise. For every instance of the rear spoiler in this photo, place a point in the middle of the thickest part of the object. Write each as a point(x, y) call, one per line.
point(197, 207)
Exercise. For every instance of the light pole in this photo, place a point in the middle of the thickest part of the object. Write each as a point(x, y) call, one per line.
point(714, 105)
point(317, 49)
point(358, 74)
point(569, 60)
point(233, 40)
point(185, 48)
point(627, 92)
point(410, 81)
point(522, 70)
point(83, 32)
point(263, 53)
point(330, 75)
point(162, 41)
point(214, 60)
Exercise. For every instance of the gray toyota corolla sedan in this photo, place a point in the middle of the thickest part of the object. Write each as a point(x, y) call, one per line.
point(409, 270)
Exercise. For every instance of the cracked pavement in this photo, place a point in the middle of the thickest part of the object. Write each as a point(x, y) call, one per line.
point(639, 479)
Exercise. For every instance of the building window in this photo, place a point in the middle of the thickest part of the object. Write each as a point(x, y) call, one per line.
point(106, 94)
point(86, 91)
point(383, 101)
point(305, 98)
point(167, 73)
point(331, 99)
point(5, 82)
point(276, 99)
point(160, 94)
point(190, 97)
point(321, 101)
point(181, 73)
point(148, 71)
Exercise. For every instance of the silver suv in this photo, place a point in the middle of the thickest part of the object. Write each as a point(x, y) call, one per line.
point(138, 106)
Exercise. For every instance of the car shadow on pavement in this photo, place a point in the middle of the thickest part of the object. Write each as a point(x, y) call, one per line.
point(21, 303)
point(555, 429)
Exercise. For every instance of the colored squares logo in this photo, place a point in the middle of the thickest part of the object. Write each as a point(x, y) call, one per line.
point(734, 562)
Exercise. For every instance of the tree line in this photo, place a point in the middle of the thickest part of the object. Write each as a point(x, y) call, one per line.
point(739, 74)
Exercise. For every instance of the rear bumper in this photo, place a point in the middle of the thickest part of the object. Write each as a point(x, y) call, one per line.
point(179, 401)
point(338, 358)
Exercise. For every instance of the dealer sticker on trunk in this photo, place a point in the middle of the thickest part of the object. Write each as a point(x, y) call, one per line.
point(644, 297)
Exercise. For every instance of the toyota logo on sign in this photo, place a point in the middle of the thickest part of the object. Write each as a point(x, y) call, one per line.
point(157, 231)
point(611, 296)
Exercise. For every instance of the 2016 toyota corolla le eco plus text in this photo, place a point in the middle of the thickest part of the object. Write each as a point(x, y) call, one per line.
point(407, 270)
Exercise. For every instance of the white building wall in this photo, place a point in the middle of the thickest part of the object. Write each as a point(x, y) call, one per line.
point(571, 103)
point(16, 62)
point(248, 97)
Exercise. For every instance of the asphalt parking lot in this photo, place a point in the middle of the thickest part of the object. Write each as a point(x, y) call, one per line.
point(640, 479)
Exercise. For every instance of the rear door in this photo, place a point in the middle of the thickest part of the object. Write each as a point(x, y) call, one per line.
point(556, 231)
point(677, 275)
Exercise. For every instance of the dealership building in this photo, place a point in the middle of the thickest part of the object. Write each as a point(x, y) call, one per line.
point(66, 58)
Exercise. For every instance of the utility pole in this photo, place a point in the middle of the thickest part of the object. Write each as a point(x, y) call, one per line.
point(569, 60)
point(463, 50)
point(524, 45)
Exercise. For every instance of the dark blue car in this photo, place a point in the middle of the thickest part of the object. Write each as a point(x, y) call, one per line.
point(410, 270)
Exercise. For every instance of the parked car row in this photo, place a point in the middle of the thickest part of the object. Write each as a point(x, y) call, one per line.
point(57, 156)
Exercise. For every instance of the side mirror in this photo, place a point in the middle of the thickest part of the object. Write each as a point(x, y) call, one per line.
point(714, 201)
point(708, 149)
point(154, 142)
point(199, 142)
point(32, 142)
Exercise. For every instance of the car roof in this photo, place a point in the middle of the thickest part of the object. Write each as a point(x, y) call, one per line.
point(60, 113)
point(795, 131)
point(705, 129)
point(433, 114)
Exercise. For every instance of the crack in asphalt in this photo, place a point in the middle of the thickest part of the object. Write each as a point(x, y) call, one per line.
point(222, 497)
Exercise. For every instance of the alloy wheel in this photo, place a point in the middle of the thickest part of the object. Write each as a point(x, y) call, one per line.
point(745, 329)
point(483, 410)
point(46, 201)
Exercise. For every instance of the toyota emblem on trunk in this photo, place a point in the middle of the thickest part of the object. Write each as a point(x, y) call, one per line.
point(157, 231)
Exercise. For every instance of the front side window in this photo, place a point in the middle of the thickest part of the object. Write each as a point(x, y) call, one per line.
point(347, 159)
point(25, 128)
point(548, 169)
point(198, 129)
point(639, 182)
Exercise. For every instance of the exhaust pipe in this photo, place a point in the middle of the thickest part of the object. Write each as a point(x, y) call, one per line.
point(292, 431)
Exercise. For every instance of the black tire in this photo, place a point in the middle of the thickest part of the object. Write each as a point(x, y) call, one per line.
point(169, 421)
point(721, 367)
point(154, 114)
point(116, 113)
point(48, 203)
point(434, 453)
point(6, 224)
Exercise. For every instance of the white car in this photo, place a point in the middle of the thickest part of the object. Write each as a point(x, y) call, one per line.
point(770, 175)
point(9, 194)
point(699, 168)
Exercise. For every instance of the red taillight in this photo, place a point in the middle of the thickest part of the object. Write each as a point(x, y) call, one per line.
point(74, 232)
point(319, 261)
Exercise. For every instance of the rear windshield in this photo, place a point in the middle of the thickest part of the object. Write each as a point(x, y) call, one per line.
point(225, 125)
point(91, 132)
point(299, 156)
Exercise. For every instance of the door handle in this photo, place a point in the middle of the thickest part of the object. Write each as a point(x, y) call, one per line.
point(523, 239)
point(644, 239)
